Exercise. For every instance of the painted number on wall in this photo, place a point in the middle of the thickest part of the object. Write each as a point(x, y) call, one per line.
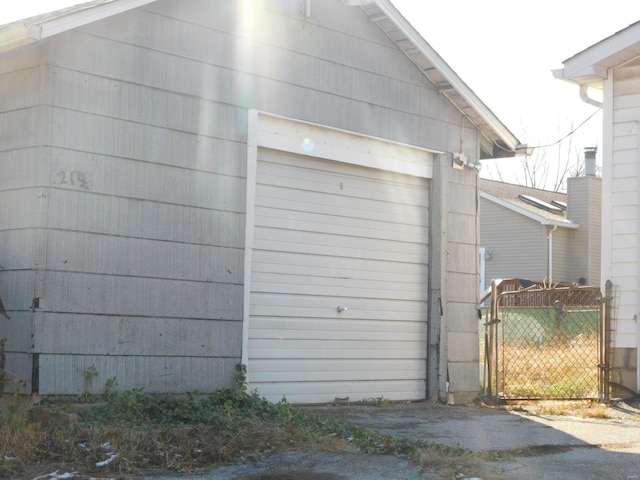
point(73, 178)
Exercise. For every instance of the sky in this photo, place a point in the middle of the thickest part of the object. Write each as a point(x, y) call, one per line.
point(504, 50)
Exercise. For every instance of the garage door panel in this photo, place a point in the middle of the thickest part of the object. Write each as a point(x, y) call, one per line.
point(335, 238)
point(390, 212)
point(311, 164)
point(350, 327)
point(313, 222)
point(310, 288)
point(331, 273)
point(317, 374)
point(350, 187)
point(286, 262)
point(339, 246)
point(337, 335)
point(275, 167)
point(395, 369)
point(321, 392)
point(328, 304)
point(296, 351)
point(362, 287)
point(301, 312)
point(345, 252)
point(327, 234)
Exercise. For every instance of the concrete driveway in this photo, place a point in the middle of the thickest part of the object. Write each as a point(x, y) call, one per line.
point(535, 446)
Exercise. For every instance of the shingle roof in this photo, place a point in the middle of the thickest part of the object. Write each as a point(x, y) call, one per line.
point(510, 194)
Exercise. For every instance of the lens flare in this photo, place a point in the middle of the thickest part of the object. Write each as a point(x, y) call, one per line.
point(307, 145)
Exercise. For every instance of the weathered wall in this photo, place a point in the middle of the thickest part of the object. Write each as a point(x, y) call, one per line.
point(454, 347)
point(139, 125)
point(23, 179)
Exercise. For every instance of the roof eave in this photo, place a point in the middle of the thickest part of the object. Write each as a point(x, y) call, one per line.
point(526, 213)
point(593, 77)
point(26, 32)
point(591, 66)
point(470, 99)
point(17, 35)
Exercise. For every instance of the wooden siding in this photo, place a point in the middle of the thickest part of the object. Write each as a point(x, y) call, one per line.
point(354, 78)
point(22, 203)
point(133, 135)
point(328, 234)
point(625, 205)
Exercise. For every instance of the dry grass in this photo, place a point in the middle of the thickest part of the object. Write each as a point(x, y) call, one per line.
point(138, 433)
point(575, 408)
point(36, 440)
point(562, 369)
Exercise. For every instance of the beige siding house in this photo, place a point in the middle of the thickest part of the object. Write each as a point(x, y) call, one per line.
point(187, 186)
point(612, 67)
point(535, 234)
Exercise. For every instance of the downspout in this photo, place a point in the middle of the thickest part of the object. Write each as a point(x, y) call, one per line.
point(550, 237)
point(584, 96)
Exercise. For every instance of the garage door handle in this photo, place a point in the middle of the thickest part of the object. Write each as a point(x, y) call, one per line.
point(341, 309)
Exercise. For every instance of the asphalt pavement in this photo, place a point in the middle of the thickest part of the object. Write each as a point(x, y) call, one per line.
point(527, 445)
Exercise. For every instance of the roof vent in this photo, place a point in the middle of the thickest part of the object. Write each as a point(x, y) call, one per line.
point(559, 204)
point(540, 204)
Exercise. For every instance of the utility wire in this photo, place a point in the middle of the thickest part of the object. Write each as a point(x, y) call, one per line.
point(556, 142)
point(568, 134)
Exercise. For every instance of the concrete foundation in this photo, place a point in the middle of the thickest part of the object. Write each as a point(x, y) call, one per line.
point(624, 372)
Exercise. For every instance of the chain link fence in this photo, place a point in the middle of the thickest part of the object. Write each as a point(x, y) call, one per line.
point(545, 343)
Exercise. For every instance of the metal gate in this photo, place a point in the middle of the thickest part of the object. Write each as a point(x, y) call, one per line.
point(546, 342)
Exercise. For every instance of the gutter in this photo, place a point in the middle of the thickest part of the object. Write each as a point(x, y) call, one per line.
point(584, 96)
point(583, 84)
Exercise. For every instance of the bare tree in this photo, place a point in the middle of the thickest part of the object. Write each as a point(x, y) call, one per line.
point(540, 171)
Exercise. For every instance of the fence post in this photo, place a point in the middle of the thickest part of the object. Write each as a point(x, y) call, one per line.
point(490, 346)
point(605, 335)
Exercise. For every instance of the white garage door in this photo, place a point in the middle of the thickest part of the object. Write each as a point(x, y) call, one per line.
point(330, 236)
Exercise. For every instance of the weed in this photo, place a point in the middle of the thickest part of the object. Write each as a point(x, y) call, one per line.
point(187, 433)
point(90, 374)
point(109, 386)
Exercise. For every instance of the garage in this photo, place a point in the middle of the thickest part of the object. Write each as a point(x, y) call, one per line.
point(338, 281)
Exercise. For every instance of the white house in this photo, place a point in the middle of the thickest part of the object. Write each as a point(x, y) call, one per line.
point(612, 66)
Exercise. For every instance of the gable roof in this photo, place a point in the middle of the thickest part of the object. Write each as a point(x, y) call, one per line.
point(517, 198)
point(590, 67)
point(500, 142)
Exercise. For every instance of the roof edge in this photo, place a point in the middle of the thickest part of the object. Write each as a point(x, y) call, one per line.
point(538, 218)
point(25, 32)
point(590, 65)
point(454, 80)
